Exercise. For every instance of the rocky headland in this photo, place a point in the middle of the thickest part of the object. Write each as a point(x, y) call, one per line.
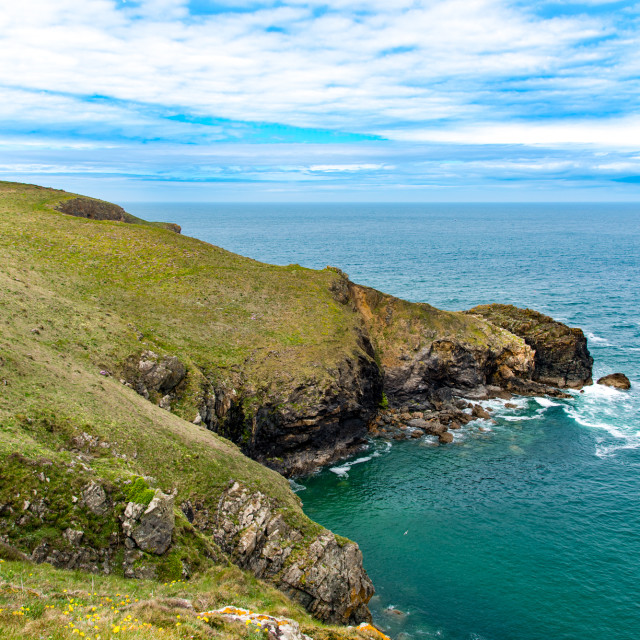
point(157, 388)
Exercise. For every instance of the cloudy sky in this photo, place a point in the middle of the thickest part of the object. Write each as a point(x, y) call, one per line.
point(424, 100)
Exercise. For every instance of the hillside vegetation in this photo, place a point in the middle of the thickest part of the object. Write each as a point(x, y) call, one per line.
point(139, 366)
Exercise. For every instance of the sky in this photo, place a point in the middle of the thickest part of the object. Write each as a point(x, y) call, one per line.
point(304, 100)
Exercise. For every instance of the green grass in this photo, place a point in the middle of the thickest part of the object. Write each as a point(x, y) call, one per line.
point(38, 601)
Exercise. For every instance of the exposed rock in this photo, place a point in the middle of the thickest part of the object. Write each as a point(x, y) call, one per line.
point(275, 628)
point(77, 558)
point(616, 380)
point(93, 209)
point(155, 526)
point(479, 412)
point(101, 210)
point(561, 355)
point(73, 536)
point(95, 498)
point(424, 351)
point(445, 437)
point(312, 423)
point(152, 374)
point(326, 576)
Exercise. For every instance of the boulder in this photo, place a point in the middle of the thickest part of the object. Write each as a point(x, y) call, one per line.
point(155, 529)
point(479, 412)
point(616, 380)
point(95, 499)
point(445, 437)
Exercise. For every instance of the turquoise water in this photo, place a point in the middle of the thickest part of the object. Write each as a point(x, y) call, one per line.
point(529, 529)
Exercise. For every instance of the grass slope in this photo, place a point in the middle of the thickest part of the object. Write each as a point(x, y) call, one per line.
point(77, 297)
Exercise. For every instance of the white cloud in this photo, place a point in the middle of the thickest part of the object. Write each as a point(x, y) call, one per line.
point(320, 71)
point(611, 132)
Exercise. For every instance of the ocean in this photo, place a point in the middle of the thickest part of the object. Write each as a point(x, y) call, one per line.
point(525, 530)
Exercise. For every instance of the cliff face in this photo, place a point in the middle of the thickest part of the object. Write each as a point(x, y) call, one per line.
point(561, 355)
point(422, 349)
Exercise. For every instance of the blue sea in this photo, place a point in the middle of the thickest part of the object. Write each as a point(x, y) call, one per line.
point(525, 530)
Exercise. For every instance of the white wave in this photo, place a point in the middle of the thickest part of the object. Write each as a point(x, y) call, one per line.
point(343, 469)
point(598, 340)
point(519, 418)
point(612, 412)
point(546, 403)
point(296, 487)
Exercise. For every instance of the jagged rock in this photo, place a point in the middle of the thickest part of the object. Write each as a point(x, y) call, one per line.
point(95, 498)
point(78, 558)
point(479, 412)
point(155, 525)
point(316, 424)
point(160, 374)
point(616, 380)
point(561, 355)
point(445, 437)
point(152, 374)
point(325, 576)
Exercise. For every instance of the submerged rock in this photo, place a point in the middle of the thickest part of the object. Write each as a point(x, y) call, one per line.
point(616, 380)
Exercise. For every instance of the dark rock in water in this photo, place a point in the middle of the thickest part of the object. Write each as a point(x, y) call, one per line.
point(510, 405)
point(561, 355)
point(445, 437)
point(480, 412)
point(616, 380)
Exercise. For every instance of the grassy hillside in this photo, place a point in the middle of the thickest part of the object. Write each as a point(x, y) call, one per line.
point(37, 601)
point(78, 298)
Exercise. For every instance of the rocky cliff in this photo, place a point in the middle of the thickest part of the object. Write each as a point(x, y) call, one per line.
point(561, 355)
point(138, 366)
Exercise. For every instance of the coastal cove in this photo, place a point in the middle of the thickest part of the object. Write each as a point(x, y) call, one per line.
point(527, 530)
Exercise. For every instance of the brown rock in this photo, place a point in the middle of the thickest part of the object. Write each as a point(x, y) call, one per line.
point(445, 437)
point(480, 412)
point(616, 380)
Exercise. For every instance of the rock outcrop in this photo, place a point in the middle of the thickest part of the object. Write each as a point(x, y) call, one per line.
point(150, 528)
point(616, 380)
point(324, 574)
point(314, 424)
point(155, 377)
point(561, 355)
point(100, 210)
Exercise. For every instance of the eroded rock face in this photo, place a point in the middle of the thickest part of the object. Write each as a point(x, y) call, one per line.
point(616, 380)
point(315, 426)
point(326, 576)
point(150, 528)
point(93, 209)
point(561, 355)
point(153, 374)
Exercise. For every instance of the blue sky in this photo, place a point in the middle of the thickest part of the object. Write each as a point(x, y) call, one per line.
point(397, 100)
